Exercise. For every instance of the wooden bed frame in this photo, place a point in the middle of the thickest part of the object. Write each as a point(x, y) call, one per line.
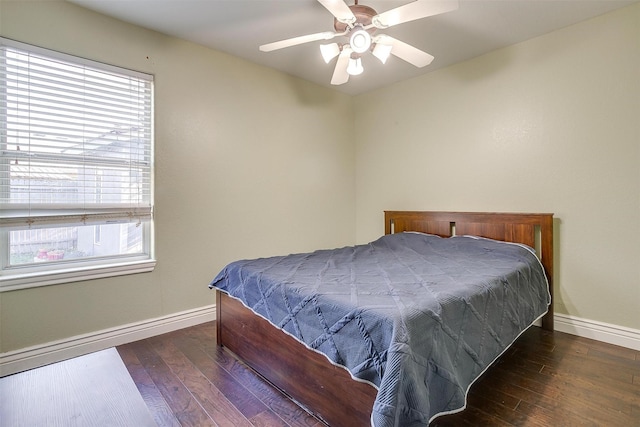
point(307, 376)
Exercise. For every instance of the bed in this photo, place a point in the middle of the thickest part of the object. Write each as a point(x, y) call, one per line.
point(395, 376)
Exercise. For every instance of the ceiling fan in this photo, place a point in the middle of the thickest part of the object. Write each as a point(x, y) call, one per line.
point(359, 23)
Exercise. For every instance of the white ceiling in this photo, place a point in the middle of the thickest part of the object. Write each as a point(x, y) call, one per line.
point(238, 27)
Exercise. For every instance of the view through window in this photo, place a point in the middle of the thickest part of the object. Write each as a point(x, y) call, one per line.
point(76, 161)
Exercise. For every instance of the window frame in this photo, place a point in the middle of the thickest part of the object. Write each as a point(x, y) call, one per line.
point(52, 272)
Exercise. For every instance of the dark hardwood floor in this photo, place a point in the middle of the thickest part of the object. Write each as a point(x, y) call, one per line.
point(545, 379)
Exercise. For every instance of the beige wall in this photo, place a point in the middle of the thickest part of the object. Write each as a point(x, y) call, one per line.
point(249, 162)
point(548, 125)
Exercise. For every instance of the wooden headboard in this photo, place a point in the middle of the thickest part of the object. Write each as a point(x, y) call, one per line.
point(532, 229)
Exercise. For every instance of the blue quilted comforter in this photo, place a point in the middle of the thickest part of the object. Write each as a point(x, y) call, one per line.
point(418, 316)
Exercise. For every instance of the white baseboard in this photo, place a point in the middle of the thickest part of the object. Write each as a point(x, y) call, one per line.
point(605, 332)
point(32, 357)
point(40, 355)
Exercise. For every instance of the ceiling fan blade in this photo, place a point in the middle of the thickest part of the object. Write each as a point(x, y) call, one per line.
point(340, 10)
point(340, 75)
point(328, 35)
point(411, 11)
point(406, 52)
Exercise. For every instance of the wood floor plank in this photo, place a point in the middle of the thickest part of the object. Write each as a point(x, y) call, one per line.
point(576, 372)
point(184, 406)
point(536, 414)
point(268, 419)
point(621, 396)
point(598, 369)
point(593, 403)
point(160, 410)
point(504, 413)
point(207, 394)
point(545, 379)
point(247, 404)
point(561, 414)
point(484, 388)
point(475, 416)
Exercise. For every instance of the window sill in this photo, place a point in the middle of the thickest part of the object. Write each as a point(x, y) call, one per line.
point(15, 282)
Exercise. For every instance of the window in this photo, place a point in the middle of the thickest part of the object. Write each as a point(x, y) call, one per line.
point(76, 163)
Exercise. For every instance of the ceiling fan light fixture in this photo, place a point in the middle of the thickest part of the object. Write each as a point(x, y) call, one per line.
point(329, 51)
point(359, 24)
point(382, 52)
point(360, 40)
point(355, 66)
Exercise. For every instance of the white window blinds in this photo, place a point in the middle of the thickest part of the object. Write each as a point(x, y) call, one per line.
point(75, 140)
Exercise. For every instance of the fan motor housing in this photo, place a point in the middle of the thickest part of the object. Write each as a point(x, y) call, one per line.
point(363, 14)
